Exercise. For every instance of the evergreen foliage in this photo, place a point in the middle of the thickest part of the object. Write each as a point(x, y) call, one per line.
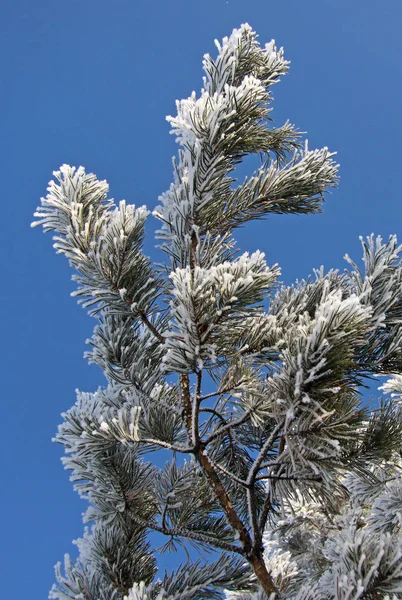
point(249, 389)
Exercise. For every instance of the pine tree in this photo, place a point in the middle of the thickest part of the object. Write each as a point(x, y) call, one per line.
point(250, 390)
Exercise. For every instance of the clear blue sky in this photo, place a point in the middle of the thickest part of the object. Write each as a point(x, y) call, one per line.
point(89, 82)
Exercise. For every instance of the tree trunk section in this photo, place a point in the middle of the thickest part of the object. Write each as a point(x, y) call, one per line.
point(256, 560)
point(262, 574)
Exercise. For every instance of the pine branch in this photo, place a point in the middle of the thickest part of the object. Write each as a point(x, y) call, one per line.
point(231, 476)
point(188, 534)
point(224, 500)
point(288, 377)
point(292, 477)
point(231, 425)
point(186, 403)
point(222, 391)
point(264, 450)
point(214, 413)
point(266, 509)
point(196, 402)
point(252, 511)
point(172, 447)
point(151, 327)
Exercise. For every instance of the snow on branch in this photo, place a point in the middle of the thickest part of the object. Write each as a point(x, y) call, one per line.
point(239, 55)
point(203, 297)
point(194, 581)
point(289, 477)
point(312, 388)
point(380, 287)
point(215, 130)
point(296, 187)
point(101, 241)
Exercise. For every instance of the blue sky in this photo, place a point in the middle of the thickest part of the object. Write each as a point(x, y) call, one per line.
point(89, 83)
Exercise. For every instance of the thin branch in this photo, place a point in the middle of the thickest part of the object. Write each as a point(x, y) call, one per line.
point(258, 461)
point(187, 533)
point(206, 425)
point(252, 511)
point(222, 392)
point(224, 500)
point(289, 477)
point(182, 449)
point(191, 413)
point(268, 501)
point(129, 301)
point(271, 463)
point(214, 412)
point(163, 518)
point(151, 327)
point(186, 403)
point(214, 408)
point(195, 409)
point(266, 509)
point(227, 427)
point(232, 476)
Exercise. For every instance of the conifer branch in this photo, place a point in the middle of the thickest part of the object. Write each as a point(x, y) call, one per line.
point(252, 511)
point(188, 534)
point(196, 409)
point(266, 509)
point(224, 500)
point(228, 474)
point(151, 327)
point(291, 477)
point(262, 454)
point(288, 363)
point(186, 403)
point(231, 425)
point(167, 445)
